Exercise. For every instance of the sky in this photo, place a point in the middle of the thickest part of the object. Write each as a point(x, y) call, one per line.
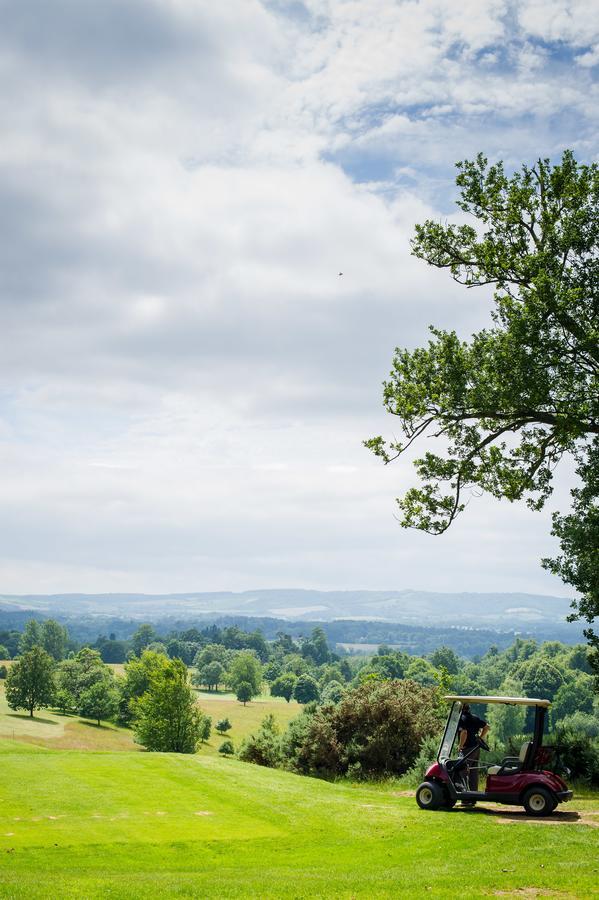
point(185, 379)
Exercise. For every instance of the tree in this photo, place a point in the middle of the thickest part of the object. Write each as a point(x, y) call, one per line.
point(138, 676)
point(227, 748)
point(223, 725)
point(167, 719)
point(284, 686)
point(55, 639)
point(99, 701)
point(142, 638)
point(520, 395)
point(306, 689)
point(77, 675)
point(32, 636)
point(244, 692)
point(4, 654)
point(445, 656)
point(211, 675)
point(64, 701)
point(30, 682)
point(246, 669)
point(333, 692)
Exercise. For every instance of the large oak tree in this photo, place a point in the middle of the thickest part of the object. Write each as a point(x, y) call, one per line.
point(511, 402)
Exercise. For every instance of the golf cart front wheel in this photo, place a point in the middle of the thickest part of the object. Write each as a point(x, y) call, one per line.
point(538, 801)
point(430, 795)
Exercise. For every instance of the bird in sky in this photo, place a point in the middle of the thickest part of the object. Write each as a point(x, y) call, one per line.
point(341, 273)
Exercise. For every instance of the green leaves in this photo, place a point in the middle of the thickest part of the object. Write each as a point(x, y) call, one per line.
point(508, 404)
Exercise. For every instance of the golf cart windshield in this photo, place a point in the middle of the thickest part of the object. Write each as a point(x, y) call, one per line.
point(450, 731)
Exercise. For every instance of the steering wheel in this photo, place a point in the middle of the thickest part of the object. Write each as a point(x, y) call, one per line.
point(483, 744)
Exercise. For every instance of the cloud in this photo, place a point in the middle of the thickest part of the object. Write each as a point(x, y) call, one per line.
point(187, 379)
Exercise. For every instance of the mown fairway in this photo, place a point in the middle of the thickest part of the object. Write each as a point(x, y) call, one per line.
point(85, 824)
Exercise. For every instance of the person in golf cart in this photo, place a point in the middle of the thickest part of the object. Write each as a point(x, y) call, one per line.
point(470, 729)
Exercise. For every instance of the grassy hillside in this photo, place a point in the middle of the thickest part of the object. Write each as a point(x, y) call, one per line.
point(81, 824)
point(51, 730)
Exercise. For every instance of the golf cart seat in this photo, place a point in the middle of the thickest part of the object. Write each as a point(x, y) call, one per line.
point(510, 765)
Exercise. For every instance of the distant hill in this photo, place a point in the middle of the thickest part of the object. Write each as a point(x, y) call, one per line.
point(424, 608)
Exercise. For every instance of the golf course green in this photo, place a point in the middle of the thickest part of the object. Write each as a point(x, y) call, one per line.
point(132, 824)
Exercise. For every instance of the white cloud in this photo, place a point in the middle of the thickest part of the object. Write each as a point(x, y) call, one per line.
point(187, 377)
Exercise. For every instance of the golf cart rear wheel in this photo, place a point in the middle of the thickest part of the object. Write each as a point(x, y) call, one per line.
point(538, 801)
point(430, 795)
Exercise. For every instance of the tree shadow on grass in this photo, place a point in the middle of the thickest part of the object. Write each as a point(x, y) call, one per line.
point(95, 725)
point(29, 718)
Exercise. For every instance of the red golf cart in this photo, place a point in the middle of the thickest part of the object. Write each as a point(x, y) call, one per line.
point(520, 780)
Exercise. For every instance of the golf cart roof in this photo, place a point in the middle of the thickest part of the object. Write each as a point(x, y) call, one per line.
point(519, 701)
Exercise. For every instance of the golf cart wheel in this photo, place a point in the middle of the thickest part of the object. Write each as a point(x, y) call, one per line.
point(538, 801)
point(430, 795)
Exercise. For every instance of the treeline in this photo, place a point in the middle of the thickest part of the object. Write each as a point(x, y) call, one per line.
point(387, 719)
point(418, 640)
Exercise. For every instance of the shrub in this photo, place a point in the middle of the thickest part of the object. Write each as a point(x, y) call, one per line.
point(223, 725)
point(264, 747)
point(3, 671)
point(227, 748)
point(375, 729)
point(580, 754)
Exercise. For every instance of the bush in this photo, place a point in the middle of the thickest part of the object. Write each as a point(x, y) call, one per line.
point(3, 671)
point(580, 754)
point(227, 748)
point(223, 725)
point(426, 757)
point(264, 747)
point(376, 729)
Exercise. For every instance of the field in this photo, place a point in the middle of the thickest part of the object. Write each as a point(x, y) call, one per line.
point(51, 730)
point(131, 824)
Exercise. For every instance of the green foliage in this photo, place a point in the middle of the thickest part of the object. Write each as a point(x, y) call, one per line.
point(244, 692)
point(580, 753)
point(505, 721)
point(64, 701)
point(138, 676)
point(211, 675)
point(32, 636)
point(245, 669)
point(284, 686)
point(3, 671)
point(30, 682)
point(333, 692)
point(99, 701)
point(77, 675)
point(426, 757)
point(166, 716)
point(306, 689)
point(263, 747)
point(142, 638)
point(55, 639)
point(223, 725)
point(576, 695)
point(540, 678)
point(446, 657)
point(375, 729)
point(523, 393)
point(227, 748)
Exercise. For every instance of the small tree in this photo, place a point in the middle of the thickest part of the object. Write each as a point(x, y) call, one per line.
point(211, 675)
point(30, 682)
point(4, 654)
point(306, 689)
point(206, 728)
point(55, 639)
point(283, 686)
point(244, 692)
point(167, 718)
point(32, 636)
point(246, 669)
point(142, 638)
point(227, 748)
point(100, 701)
point(64, 701)
point(223, 725)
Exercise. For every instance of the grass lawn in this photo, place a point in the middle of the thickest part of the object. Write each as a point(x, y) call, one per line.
point(128, 825)
point(51, 730)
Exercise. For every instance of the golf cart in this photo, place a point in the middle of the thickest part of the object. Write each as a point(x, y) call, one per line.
point(521, 780)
